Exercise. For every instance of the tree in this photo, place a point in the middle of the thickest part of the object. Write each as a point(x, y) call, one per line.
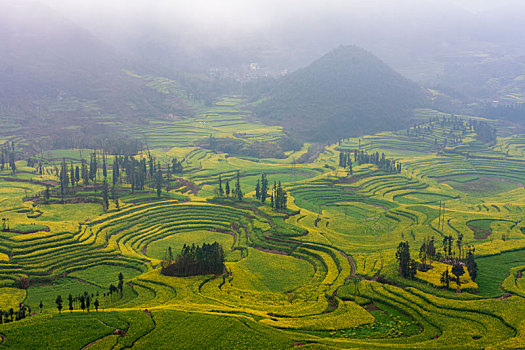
point(445, 278)
point(64, 177)
point(88, 301)
point(96, 304)
point(458, 271)
point(195, 260)
point(427, 251)
point(227, 188)
point(413, 268)
point(169, 256)
point(158, 181)
point(82, 303)
point(105, 195)
point(121, 283)
point(356, 280)
point(120, 287)
point(84, 172)
point(116, 171)
point(403, 257)
point(279, 197)
point(104, 166)
point(264, 188)
point(114, 192)
point(93, 167)
point(472, 266)
point(41, 306)
point(72, 175)
point(70, 301)
point(59, 301)
point(77, 175)
point(112, 289)
point(258, 190)
point(459, 243)
point(238, 191)
point(221, 191)
point(447, 245)
point(176, 166)
point(47, 194)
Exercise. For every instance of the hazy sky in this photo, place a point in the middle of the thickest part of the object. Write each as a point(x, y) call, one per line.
point(250, 13)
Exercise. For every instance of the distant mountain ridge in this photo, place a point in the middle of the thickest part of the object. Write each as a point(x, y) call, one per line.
point(345, 93)
point(55, 77)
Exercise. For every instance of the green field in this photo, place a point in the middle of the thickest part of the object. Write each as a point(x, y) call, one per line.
point(290, 278)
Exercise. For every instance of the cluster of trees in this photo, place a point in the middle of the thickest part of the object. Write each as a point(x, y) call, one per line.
point(452, 137)
point(407, 266)
point(484, 132)
point(82, 301)
point(86, 300)
point(448, 243)
point(194, 260)
point(8, 156)
point(278, 196)
point(386, 164)
point(125, 169)
point(119, 288)
point(345, 160)
point(236, 192)
point(458, 259)
point(12, 315)
point(261, 189)
point(513, 112)
point(428, 253)
point(453, 276)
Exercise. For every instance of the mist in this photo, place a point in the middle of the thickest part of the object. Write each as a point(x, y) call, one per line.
point(417, 38)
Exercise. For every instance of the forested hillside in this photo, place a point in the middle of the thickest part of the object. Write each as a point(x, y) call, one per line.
point(345, 93)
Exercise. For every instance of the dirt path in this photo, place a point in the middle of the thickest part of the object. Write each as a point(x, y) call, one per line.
point(96, 341)
point(85, 282)
point(351, 261)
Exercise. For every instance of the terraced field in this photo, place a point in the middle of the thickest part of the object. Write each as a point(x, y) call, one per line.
point(321, 275)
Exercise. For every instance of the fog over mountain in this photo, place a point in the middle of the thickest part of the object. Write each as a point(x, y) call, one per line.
point(294, 33)
point(469, 51)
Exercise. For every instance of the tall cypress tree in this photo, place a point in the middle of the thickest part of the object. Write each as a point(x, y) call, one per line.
point(114, 192)
point(258, 190)
point(264, 188)
point(104, 166)
point(158, 180)
point(77, 174)
point(115, 174)
point(238, 190)
point(85, 172)
point(105, 195)
point(72, 175)
point(221, 191)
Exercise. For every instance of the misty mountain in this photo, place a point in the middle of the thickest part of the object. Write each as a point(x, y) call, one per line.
point(55, 74)
point(345, 93)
